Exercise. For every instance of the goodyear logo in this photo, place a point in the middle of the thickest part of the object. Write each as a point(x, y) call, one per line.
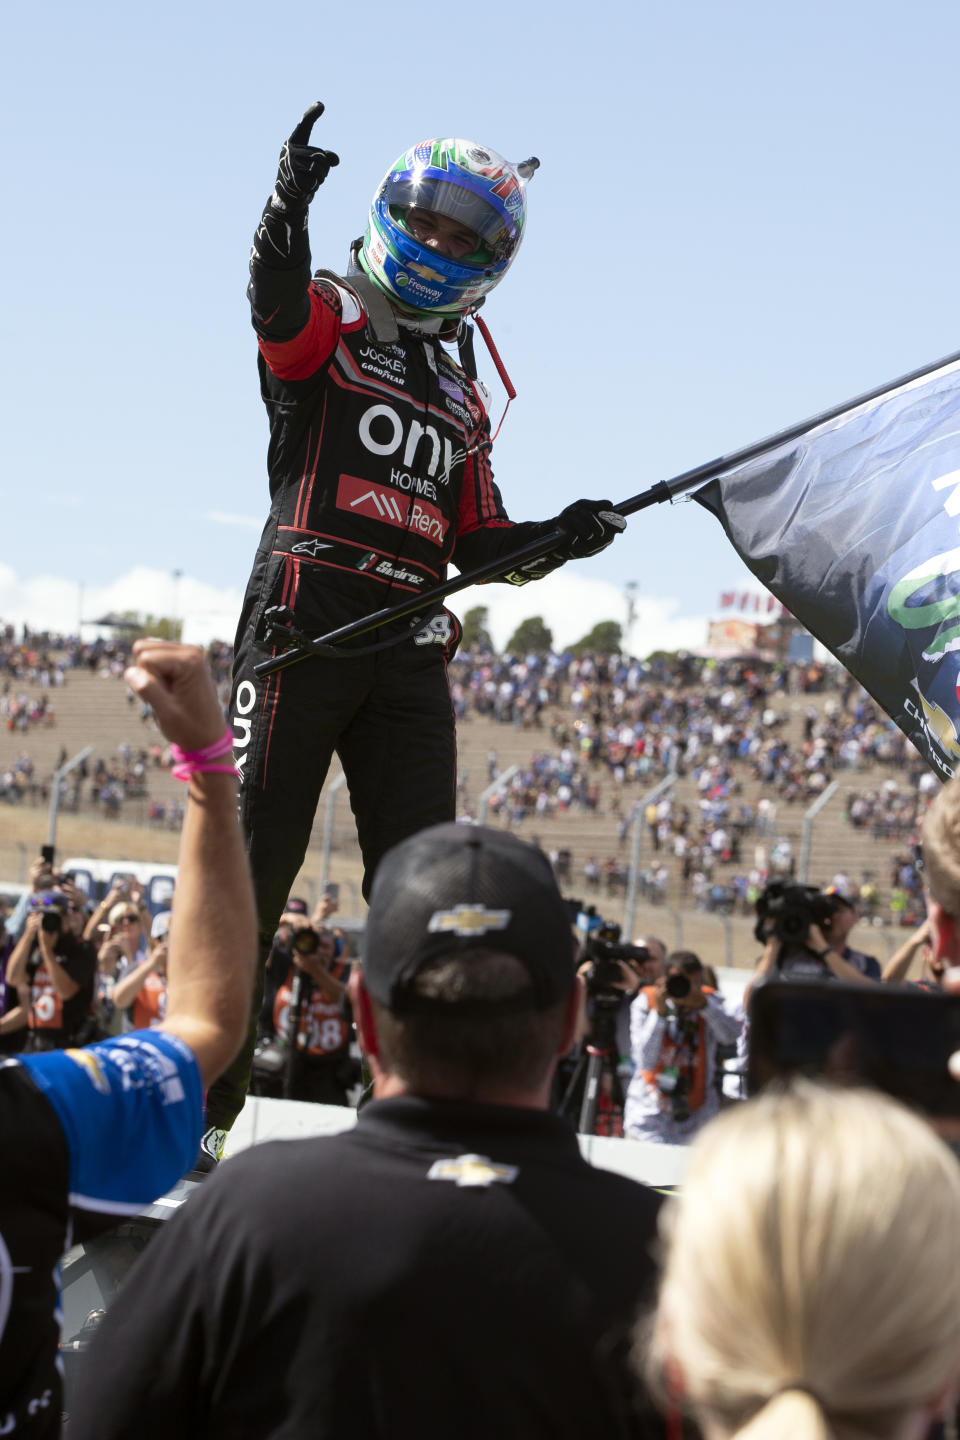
point(473, 1170)
point(468, 920)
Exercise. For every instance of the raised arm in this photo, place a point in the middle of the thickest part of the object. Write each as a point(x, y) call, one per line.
point(126, 990)
point(20, 954)
point(279, 289)
point(900, 961)
point(213, 929)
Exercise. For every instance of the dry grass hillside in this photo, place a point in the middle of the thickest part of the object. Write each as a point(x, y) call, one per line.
point(93, 710)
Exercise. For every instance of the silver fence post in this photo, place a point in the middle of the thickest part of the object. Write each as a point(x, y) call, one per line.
point(636, 820)
point(335, 787)
point(808, 820)
point(483, 804)
point(58, 775)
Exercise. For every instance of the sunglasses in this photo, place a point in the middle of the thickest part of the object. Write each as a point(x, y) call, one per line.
point(129, 920)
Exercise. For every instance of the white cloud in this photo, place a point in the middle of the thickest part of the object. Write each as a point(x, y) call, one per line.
point(48, 602)
point(571, 604)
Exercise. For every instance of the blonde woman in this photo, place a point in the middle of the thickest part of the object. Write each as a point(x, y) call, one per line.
point(141, 994)
point(811, 1286)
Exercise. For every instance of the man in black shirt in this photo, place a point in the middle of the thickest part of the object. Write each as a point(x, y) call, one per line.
point(452, 1266)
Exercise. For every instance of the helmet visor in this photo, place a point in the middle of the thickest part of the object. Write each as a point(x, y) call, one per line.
point(444, 197)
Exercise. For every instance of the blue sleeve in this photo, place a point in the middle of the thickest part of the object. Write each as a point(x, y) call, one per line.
point(132, 1112)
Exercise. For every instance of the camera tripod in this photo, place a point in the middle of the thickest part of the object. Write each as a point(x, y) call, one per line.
point(598, 1057)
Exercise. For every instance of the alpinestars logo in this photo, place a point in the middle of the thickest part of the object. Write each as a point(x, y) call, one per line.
point(310, 547)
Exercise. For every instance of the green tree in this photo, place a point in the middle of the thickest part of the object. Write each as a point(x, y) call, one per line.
point(531, 635)
point(476, 635)
point(159, 626)
point(604, 639)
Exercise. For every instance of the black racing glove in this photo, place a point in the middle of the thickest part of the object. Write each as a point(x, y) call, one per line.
point(590, 525)
point(303, 167)
point(280, 258)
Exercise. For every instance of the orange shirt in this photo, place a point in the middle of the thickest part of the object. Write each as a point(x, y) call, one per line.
point(323, 1029)
point(150, 1006)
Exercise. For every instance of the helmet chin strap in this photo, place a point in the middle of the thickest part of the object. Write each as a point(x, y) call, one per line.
point(422, 321)
point(384, 317)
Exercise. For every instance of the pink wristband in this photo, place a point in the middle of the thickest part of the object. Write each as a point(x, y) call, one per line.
point(193, 762)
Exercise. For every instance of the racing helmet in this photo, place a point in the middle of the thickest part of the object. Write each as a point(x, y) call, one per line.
point(466, 182)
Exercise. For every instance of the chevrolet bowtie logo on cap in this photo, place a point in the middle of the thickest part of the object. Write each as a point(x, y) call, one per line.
point(468, 920)
point(473, 1170)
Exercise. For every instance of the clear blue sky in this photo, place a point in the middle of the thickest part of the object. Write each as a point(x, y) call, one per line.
point(745, 213)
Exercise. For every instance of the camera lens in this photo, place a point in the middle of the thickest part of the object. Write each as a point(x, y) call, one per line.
point(678, 987)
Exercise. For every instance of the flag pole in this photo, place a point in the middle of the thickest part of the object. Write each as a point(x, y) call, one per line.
point(422, 607)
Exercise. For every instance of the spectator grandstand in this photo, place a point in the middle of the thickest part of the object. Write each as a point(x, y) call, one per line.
point(752, 745)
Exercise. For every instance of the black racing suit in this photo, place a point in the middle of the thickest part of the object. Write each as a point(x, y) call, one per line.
point(379, 467)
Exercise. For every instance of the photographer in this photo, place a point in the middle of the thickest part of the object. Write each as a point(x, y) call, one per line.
point(845, 915)
point(122, 906)
point(306, 988)
point(675, 1028)
point(796, 925)
point(590, 1079)
point(53, 972)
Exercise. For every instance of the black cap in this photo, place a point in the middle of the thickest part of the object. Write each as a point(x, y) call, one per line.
point(456, 888)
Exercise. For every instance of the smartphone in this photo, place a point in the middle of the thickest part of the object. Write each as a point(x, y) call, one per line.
point(332, 891)
point(46, 854)
point(897, 1038)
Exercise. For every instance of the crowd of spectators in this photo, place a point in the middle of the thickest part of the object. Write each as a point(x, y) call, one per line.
point(80, 970)
point(21, 712)
point(619, 726)
point(608, 727)
point(18, 782)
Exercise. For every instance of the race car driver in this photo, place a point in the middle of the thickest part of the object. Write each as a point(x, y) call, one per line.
point(379, 467)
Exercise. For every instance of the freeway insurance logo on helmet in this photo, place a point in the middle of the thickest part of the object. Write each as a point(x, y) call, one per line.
point(467, 183)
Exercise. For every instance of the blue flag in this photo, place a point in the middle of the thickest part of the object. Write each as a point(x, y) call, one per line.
point(855, 527)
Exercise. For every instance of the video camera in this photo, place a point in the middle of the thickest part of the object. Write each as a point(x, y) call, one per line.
point(603, 948)
point(786, 912)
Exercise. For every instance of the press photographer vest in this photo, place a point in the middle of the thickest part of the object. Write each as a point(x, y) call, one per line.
point(689, 1060)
